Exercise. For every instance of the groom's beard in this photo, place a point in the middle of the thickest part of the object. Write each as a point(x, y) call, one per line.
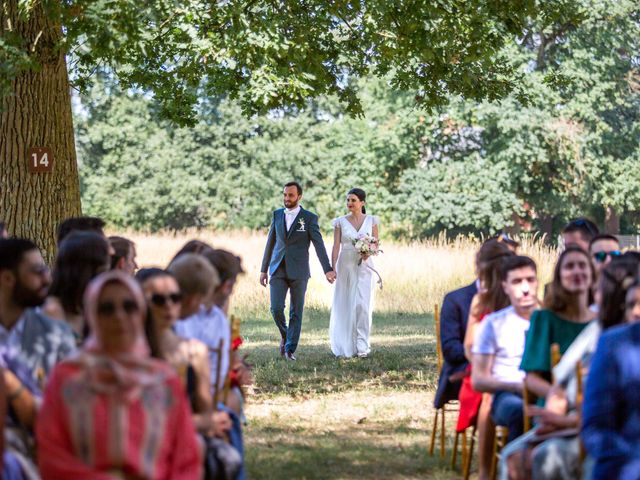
point(290, 205)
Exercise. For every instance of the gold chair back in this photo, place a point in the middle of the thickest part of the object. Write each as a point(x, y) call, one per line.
point(219, 351)
point(436, 317)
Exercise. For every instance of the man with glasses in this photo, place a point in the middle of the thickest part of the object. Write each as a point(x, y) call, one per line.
point(602, 249)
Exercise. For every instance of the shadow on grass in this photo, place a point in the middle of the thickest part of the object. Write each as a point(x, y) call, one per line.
point(403, 356)
point(290, 442)
point(372, 453)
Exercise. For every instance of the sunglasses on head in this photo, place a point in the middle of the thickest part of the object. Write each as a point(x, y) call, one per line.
point(161, 300)
point(582, 223)
point(602, 256)
point(109, 308)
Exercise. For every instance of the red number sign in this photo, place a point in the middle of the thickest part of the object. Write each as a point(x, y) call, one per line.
point(39, 159)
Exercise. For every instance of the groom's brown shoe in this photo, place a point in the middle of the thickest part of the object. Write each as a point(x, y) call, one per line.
point(282, 342)
point(289, 356)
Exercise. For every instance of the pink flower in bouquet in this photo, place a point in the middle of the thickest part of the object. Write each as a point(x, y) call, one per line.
point(367, 246)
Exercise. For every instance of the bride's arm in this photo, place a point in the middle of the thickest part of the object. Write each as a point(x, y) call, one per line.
point(337, 238)
point(375, 232)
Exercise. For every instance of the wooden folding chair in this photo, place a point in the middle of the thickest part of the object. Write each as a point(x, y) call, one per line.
point(499, 442)
point(235, 333)
point(216, 387)
point(579, 400)
point(440, 413)
point(467, 455)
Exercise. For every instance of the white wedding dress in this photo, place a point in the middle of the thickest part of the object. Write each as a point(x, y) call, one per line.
point(350, 323)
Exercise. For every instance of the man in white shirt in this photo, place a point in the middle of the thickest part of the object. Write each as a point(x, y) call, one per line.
point(499, 345)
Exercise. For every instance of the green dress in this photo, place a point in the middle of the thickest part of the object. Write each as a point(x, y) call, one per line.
point(547, 328)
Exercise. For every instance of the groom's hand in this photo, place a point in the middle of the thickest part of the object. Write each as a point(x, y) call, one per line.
point(331, 276)
point(264, 278)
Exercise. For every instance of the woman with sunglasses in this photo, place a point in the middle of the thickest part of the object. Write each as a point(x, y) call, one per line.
point(188, 357)
point(112, 411)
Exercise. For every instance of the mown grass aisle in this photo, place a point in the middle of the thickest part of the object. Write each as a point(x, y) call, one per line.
point(321, 418)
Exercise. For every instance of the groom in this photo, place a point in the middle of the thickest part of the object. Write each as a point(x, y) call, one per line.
point(286, 260)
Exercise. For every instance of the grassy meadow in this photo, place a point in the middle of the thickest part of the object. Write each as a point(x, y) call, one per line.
point(319, 417)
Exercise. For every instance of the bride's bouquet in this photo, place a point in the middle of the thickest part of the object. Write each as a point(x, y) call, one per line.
point(367, 246)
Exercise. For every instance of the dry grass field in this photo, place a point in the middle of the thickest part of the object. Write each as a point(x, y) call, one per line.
point(323, 418)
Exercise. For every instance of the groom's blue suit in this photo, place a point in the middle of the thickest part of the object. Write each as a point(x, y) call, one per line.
point(286, 259)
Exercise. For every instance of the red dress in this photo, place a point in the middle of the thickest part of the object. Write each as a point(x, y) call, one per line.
point(469, 400)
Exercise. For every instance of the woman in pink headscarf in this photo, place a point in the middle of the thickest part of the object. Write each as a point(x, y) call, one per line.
point(112, 412)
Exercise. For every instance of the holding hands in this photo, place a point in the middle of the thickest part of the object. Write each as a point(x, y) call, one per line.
point(331, 276)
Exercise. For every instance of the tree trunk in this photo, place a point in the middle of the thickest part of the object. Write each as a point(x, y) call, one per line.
point(546, 227)
point(611, 221)
point(37, 114)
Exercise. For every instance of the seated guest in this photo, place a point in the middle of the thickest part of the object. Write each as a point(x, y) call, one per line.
point(193, 246)
point(559, 456)
point(36, 341)
point(30, 345)
point(453, 325)
point(499, 344)
point(112, 411)
point(632, 314)
point(603, 248)
point(610, 426)
point(189, 358)
point(579, 232)
point(124, 257)
point(80, 224)
point(197, 279)
point(210, 323)
point(566, 313)
point(3, 230)
point(81, 256)
point(475, 407)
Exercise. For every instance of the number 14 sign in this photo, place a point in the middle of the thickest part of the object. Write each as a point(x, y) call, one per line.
point(39, 159)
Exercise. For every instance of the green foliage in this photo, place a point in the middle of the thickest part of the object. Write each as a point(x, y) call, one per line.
point(572, 148)
point(273, 53)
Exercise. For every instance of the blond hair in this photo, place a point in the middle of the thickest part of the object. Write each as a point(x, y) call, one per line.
point(194, 274)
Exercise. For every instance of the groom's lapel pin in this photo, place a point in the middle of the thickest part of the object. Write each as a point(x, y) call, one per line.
point(301, 225)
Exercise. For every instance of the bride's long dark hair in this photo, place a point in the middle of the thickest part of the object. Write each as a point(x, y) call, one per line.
point(362, 196)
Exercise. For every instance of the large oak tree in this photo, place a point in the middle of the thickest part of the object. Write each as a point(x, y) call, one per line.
point(263, 53)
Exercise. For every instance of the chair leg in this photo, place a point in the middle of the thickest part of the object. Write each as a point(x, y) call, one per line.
point(454, 455)
point(434, 429)
point(467, 466)
point(464, 448)
point(494, 457)
point(499, 442)
point(442, 432)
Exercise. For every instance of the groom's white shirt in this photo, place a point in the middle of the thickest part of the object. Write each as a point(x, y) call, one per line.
point(290, 216)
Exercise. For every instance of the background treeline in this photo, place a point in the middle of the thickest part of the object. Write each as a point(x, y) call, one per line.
point(530, 162)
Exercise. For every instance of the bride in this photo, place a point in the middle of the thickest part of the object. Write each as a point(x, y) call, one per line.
point(350, 322)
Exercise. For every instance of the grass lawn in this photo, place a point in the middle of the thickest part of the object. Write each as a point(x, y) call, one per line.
point(321, 418)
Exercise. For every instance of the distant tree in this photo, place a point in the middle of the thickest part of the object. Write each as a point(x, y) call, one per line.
point(265, 54)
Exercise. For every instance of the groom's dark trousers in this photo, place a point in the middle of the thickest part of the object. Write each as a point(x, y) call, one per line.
point(279, 284)
point(286, 260)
